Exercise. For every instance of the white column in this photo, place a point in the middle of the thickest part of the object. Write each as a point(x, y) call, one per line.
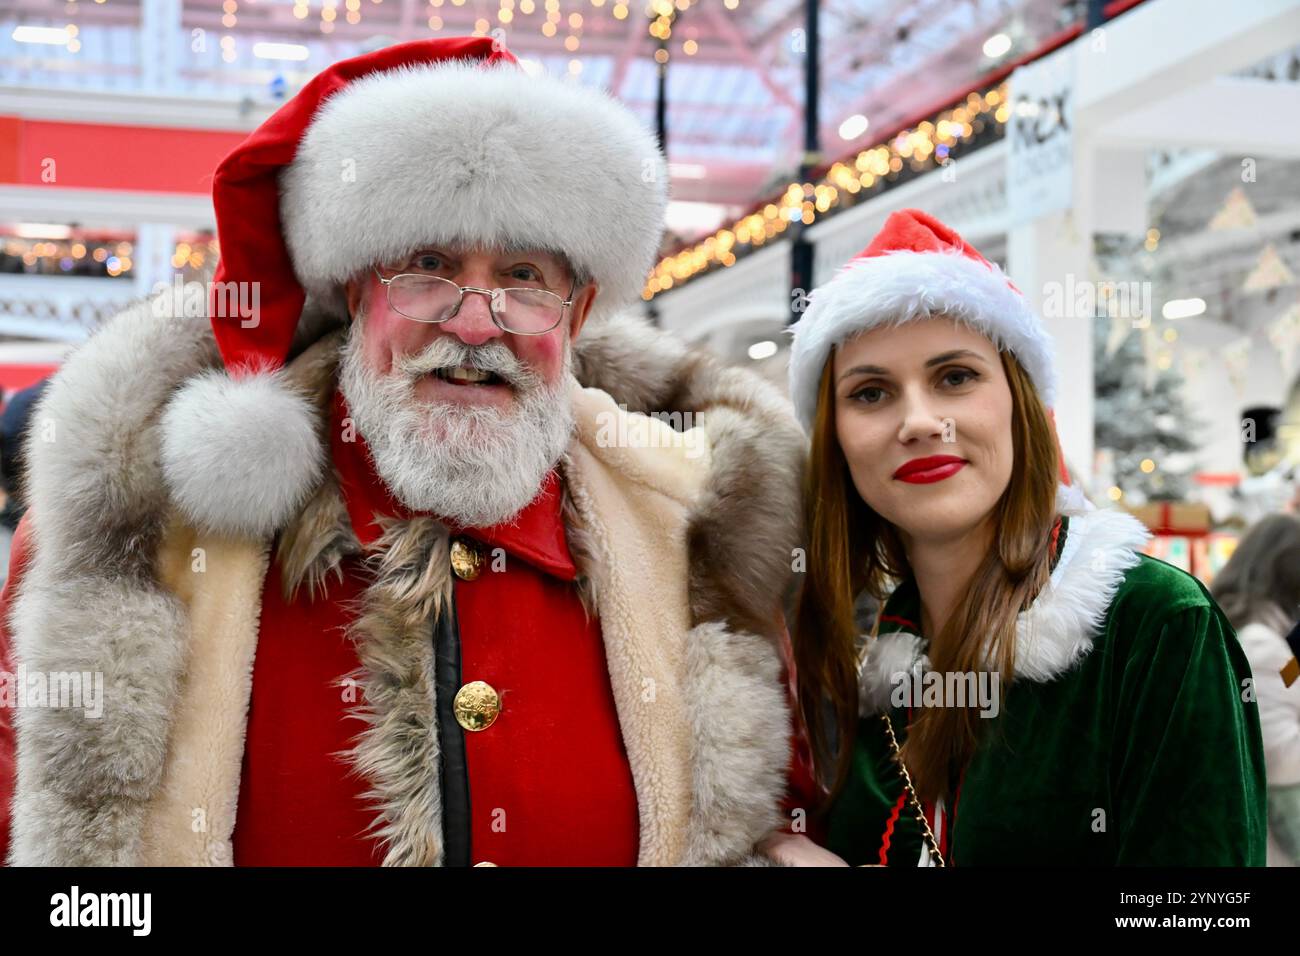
point(152, 256)
point(1043, 257)
point(161, 44)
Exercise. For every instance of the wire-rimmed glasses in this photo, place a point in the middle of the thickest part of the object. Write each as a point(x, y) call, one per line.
point(521, 311)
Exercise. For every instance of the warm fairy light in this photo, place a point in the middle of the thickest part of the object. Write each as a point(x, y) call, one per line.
point(1147, 466)
point(924, 146)
point(690, 47)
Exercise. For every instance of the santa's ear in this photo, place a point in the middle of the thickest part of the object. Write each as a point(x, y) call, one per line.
point(583, 300)
point(353, 292)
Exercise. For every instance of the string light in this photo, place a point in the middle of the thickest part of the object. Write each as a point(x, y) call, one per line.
point(925, 146)
point(82, 256)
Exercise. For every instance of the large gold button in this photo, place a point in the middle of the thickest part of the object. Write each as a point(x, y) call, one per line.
point(477, 705)
point(466, 560)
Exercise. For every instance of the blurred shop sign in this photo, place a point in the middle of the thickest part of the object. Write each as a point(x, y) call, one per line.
point(1040, 171)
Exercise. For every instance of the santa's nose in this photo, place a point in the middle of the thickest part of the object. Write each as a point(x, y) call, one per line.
point(472, 323)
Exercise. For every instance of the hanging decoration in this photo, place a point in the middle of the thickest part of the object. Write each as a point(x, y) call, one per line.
point(1271, 272)
point(1284, 334)
point(1236, 358)
point(1236, 212)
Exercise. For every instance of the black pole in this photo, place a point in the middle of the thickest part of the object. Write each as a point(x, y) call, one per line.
point(661, 99)
point(1096, 14)
point(801, 251)
point(661, 130)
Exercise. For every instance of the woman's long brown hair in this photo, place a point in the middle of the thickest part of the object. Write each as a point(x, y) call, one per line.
point(852, 549)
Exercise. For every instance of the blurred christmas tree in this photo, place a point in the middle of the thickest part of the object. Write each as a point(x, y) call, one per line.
point(1141, 417)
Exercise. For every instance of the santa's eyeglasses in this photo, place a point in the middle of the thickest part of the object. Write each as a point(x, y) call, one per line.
point(428, 298)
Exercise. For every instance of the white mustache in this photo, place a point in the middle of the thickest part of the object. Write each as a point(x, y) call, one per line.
point(449, 353)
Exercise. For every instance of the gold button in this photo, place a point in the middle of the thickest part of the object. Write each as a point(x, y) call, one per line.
point(477, 705)
point(466, 561)
point(485, 863)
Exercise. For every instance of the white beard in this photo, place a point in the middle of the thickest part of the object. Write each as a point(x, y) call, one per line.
point(475, 466)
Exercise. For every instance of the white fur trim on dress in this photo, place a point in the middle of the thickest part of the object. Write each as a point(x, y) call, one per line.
point(240, 456)
point(1101, 545)
point(904, 286)
point(460, 153)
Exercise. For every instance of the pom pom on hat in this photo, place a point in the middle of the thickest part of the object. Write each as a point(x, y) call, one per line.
point(916, 267)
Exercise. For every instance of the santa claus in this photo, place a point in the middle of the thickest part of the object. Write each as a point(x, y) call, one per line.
point(401, 568)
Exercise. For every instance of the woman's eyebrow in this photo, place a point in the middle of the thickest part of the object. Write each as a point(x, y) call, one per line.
point(955, 354)
point(937, 360)
point(864, 370)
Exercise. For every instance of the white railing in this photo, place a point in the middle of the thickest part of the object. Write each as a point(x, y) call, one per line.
point(60, 308)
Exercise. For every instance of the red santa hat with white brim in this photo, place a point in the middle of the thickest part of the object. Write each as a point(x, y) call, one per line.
point(432, 142)
point(916, 267)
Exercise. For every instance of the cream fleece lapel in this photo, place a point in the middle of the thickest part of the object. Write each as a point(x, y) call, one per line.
point(632, 506)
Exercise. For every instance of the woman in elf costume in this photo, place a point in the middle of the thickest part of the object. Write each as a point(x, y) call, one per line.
point(1035, 691)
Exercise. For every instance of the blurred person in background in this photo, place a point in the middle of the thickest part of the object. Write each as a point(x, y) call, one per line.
point(1259, 590)
point(14, 422)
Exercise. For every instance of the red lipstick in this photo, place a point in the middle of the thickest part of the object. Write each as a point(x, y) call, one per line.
point(924, 471)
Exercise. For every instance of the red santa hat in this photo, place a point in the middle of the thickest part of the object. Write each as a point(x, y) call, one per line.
point(432, 142)
point(916, 267)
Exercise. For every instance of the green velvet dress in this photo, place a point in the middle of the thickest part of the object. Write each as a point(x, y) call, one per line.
point(1133, 743)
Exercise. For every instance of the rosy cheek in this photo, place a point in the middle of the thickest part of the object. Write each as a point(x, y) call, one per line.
point(543, 353)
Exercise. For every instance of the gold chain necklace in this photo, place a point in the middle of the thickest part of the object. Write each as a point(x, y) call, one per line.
point(897, 754)
point(926, 833)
